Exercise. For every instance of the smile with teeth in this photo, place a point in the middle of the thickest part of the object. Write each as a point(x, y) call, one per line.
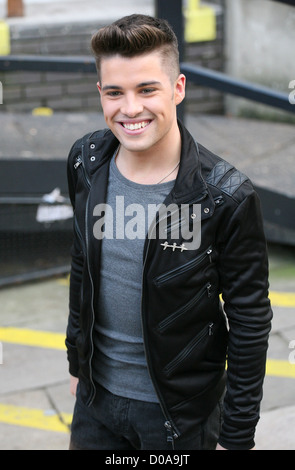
point(136, 125)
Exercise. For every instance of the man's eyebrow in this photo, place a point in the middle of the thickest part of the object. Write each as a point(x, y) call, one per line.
point(111, 87)
point(140, 85)
point(144, 84)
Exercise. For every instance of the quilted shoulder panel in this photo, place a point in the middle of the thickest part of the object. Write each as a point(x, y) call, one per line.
point(232, 184)
point(218, 172)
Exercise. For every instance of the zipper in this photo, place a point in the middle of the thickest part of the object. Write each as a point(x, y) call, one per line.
point(218, 201)
point(184, 268)
point(171, 435)
point(164, 324)
point(172, 432)
point(206, 331)
point(79, 163)
point(78, 231)
point(90, 401)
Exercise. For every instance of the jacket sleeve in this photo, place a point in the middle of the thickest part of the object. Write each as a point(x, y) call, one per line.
point(77, 262)
point(244, 282)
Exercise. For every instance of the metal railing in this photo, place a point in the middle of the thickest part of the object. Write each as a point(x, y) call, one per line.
point(173, 12)
point(198, 75)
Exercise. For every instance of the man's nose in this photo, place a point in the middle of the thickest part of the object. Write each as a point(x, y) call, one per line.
point(131, 106)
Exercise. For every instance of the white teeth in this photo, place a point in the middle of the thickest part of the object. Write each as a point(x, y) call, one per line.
point(135, 126)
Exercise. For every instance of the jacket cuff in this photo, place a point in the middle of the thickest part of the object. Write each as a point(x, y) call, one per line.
point(72, 354)
point(232, 438)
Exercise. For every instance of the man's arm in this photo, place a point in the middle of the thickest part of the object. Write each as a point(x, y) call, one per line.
point(244, 282)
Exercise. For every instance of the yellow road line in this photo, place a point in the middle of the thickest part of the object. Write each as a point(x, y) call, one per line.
point(53, 340)
point(282, 299)
point(34, 418)
point(277, 368)
point(278, 299)
point(41, 339)
point(44, 420)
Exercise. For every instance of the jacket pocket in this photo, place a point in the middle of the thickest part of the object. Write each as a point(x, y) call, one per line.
point(194, 263)
point(168, 321)
point(190, 349)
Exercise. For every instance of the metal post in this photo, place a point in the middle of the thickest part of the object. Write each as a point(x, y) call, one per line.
point(172, 12)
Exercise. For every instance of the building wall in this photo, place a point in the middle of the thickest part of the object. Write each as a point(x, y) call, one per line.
point(23, 91)
point(260, 38)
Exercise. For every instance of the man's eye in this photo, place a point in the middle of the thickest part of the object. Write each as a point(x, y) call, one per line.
point(113, 94)
point(146, 91)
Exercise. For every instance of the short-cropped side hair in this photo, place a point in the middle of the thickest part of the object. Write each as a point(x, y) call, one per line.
point(136, 35)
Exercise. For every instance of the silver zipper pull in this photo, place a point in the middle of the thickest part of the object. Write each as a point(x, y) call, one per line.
point(209, 290)
point(168, 427)
point(211, 329)
point(171, 434)
point(78, 162)
point(209, 253)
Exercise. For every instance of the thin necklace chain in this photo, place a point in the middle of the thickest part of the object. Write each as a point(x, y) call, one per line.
point(169, 173)
point(164, 176)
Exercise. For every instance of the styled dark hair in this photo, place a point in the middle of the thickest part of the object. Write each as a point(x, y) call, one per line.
point(137, 35)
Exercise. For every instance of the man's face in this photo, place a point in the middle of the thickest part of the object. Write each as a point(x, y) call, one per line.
point(139, 100)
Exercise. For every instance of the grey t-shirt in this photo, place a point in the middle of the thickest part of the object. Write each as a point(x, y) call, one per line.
point(119, 362)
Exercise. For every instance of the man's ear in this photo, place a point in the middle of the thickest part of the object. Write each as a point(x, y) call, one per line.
point(180, 89)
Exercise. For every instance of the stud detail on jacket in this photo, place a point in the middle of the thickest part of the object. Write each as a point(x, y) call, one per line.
point(174, 246)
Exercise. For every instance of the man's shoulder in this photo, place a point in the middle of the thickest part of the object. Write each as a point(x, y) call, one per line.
point(223, 177)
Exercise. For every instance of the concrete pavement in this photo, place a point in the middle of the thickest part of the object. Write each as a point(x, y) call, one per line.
point(35, 404)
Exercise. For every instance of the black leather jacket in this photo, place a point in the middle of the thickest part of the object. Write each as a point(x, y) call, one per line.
point(188, 333)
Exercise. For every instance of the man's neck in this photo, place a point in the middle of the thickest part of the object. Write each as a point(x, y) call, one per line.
point(153, 165)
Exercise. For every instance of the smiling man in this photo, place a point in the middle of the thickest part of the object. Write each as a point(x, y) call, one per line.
point(147, 337)
point(139, 106)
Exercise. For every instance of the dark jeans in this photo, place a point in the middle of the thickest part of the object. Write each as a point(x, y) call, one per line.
point(117, 423)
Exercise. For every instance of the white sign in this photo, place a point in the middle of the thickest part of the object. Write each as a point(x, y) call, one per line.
point(48, 213)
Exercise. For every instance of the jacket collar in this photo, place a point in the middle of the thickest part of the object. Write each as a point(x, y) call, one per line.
point(189, 185)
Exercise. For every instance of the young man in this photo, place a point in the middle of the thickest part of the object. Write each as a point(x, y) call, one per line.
point(147, 337)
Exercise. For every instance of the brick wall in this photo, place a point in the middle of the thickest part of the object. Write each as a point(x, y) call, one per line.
point(209, 55)
point(23, 91)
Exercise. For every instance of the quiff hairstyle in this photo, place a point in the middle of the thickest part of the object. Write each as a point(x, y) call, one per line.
point(136, 35)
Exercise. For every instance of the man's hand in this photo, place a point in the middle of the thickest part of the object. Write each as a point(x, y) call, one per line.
point(73, 385)
point(219, 447)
